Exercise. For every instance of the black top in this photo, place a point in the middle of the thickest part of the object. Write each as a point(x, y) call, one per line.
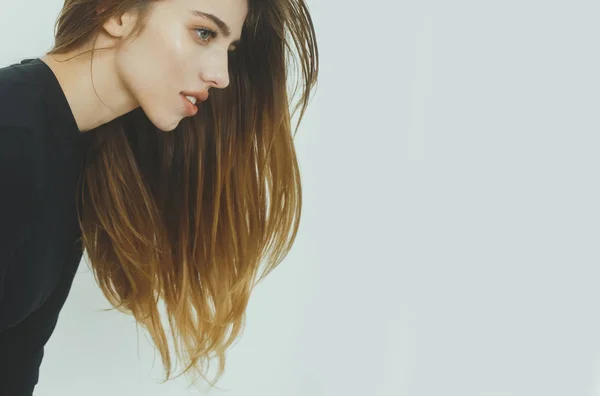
point(41, 158)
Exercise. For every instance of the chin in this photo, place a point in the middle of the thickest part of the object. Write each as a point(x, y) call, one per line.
point(162, 123)
point(169, 128)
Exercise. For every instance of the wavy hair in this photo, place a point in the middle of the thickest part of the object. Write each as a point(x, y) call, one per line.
point(183, 221)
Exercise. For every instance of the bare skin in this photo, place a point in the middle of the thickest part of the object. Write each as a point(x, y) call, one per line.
point(175, 53)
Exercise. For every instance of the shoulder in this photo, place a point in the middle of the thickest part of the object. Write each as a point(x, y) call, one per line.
point(21, 99)
point(16, 182)
point(15, 159)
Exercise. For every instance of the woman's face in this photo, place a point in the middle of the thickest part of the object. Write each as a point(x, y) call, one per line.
point(178, 52)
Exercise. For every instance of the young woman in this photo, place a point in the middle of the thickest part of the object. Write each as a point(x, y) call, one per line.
point(156, 135)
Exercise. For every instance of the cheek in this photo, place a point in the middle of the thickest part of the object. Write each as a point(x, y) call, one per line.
point(147, 78)
point(156, 60)
point(154, 74)
point(168, 49)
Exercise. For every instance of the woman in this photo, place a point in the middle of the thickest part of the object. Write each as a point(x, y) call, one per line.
point(111, 143)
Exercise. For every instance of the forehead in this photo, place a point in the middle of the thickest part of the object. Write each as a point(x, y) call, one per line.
point(232, 12)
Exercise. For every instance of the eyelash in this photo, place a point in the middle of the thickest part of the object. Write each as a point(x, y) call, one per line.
point(213, 34)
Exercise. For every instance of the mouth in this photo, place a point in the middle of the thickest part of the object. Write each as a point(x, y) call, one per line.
point(191, 99)
point(196, 96)
point(189, 103)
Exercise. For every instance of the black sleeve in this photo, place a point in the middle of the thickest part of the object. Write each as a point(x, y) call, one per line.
point(16, 192)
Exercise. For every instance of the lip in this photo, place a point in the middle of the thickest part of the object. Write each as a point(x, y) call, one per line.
point(200, 96)
point(190, 109)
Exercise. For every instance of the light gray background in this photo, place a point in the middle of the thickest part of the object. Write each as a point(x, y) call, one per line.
point(451, 230)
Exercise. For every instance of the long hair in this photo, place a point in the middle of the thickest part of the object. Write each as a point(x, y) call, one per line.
point(183, 221)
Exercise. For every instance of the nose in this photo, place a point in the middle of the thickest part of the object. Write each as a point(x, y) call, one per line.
point(216, 72)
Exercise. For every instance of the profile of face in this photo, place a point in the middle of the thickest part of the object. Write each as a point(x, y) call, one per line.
point(183, 48)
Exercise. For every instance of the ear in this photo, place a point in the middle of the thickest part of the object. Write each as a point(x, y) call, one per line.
point(120, 26)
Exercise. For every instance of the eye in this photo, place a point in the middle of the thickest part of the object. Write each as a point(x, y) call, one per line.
point(211, 34)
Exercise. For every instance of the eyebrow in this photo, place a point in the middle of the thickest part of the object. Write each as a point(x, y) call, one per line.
point(223, 27)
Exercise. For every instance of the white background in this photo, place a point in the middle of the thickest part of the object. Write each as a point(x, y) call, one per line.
point(451, 228)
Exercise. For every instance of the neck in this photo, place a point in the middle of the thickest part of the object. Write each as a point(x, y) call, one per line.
point(92, 104)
